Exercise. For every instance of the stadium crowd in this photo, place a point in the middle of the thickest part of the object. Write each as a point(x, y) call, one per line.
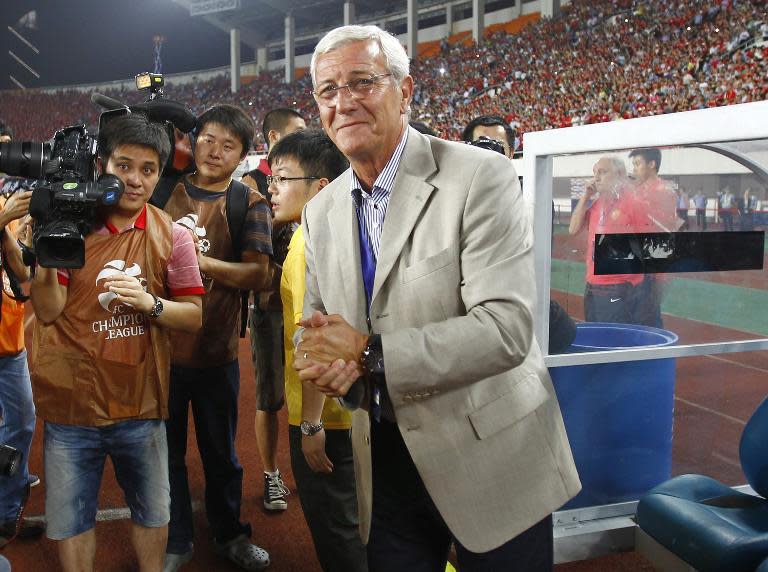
point(596, 61)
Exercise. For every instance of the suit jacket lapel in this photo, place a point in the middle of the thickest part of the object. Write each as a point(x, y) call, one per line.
point(410, 194)
point(343, 224)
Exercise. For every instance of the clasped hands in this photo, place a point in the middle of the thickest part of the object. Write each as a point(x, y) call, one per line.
point(129, 291)
point(328, 354)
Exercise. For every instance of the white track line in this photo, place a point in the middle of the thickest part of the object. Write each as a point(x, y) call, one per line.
point(712, 411)
point(110, 514)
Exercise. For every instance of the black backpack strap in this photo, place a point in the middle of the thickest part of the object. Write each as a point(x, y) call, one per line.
point(237, 210)
point(261, 182)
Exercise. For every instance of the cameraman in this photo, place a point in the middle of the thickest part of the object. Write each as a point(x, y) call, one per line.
point(17, 410)
point(492, 127)
point(102, 354)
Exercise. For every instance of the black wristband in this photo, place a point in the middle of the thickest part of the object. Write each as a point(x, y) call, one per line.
point(27, 254)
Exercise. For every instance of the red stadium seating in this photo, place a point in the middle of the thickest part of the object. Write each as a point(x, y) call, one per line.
point(599, 60)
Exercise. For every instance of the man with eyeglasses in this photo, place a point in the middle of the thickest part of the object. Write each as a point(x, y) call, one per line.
point(303, 164)
point(266, 322)
point(419, 309)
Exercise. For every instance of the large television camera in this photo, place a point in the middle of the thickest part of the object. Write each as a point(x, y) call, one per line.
point(65, 202)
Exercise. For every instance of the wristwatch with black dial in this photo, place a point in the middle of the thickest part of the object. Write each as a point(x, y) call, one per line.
point(157, 308)
point(372, 359)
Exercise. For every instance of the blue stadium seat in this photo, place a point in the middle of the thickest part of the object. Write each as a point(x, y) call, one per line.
point(708, 524)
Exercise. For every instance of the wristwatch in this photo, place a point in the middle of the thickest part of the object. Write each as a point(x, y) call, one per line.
point(310, 429)
point(157, 308)
point(372, 358)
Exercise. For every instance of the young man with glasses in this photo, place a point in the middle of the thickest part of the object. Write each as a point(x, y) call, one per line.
point(321, 452)
point(266, 322)
point(205, 374)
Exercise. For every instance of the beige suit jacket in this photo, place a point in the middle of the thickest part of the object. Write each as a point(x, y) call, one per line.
point(453, 301)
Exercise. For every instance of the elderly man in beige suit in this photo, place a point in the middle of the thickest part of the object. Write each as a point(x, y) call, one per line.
point(419, 298)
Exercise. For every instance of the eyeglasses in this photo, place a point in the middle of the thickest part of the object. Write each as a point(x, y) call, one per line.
point(359, 88)
point(278, 180)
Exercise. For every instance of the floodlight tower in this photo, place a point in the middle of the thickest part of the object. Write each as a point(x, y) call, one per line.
point(158, 42)
point(27, 22)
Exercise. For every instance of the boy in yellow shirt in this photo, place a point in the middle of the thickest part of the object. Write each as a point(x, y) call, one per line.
point(302, 163)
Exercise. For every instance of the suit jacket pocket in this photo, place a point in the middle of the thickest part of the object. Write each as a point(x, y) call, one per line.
point(428, 265)
point(525, 397)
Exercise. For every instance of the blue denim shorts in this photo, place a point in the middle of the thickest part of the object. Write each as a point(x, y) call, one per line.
point(74, 464)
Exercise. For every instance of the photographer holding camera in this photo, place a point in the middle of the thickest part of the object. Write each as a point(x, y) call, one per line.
point(17, 410)
point(486, 130)
point(102, 351)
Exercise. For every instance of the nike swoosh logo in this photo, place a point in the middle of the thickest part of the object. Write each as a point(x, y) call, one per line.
point(615, 299)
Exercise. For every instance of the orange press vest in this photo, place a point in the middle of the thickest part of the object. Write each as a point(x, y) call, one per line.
point(216, 343)
point(101, 362)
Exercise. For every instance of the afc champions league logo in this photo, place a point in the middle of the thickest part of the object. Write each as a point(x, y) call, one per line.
point(115, 268)
point(7, 286)
point(189, 222)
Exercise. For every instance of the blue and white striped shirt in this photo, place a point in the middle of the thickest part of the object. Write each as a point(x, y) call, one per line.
point(373, 206)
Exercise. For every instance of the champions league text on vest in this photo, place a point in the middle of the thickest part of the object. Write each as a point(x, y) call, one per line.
point(126, 323)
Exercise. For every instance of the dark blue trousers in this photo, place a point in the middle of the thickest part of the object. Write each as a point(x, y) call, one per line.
point(408, 533)
point(212, 392)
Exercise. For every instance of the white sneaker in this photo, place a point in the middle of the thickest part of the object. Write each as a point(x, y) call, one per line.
point(174, 562)
point(275, 492)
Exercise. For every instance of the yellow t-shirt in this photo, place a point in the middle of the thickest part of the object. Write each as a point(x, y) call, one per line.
point(292, 287)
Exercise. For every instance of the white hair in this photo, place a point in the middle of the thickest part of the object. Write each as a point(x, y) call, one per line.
point(395, 56)
point(617, 164)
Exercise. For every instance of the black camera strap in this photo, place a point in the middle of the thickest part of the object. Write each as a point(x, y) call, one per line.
point(17, 293)
point(19, 516)
point(15, 284)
